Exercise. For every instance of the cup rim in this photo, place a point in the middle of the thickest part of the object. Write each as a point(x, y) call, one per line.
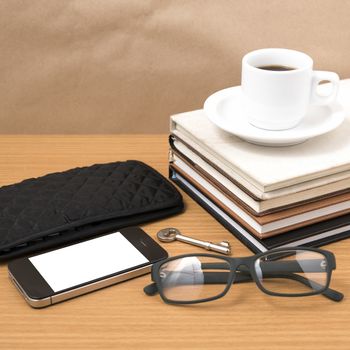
point(251, 54)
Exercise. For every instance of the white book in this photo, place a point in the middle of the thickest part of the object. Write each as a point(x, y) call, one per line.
point(271, 202)
point(260, 169)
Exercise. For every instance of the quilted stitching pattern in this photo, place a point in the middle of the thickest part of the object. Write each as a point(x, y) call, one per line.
point(38, 207)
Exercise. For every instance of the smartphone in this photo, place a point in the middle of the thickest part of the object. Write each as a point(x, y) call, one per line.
point(80, 268)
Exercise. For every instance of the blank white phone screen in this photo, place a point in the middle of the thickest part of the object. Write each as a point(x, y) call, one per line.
point(83, 262)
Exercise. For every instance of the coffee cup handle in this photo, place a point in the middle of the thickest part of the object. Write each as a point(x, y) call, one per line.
point(318, 76)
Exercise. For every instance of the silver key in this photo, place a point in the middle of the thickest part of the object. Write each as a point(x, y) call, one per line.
point(171, 234)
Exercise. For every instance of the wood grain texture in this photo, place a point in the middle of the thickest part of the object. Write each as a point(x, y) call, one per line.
point(122, 317)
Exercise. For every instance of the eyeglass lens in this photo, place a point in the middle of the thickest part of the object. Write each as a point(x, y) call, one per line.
point(194, 278)
point(293, 272)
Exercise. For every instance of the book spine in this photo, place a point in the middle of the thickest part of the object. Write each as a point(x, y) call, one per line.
point(212, 212)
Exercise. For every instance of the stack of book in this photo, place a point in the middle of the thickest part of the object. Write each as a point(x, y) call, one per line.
point(268, 197)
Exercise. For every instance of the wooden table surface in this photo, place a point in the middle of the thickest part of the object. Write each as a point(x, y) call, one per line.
point(121, 316)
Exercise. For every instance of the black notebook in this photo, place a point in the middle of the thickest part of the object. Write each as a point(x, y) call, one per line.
point(315, 235)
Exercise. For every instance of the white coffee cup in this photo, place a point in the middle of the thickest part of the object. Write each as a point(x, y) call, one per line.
point(278, 100)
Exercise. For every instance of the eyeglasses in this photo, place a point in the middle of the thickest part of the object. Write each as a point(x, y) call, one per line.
point(287, 272)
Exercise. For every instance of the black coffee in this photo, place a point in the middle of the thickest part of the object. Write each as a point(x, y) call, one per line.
point(277, 68)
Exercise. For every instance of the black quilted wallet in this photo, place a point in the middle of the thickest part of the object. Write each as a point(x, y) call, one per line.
point(58, 208)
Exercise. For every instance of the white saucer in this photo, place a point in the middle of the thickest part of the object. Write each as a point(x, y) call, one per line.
point(224, 108)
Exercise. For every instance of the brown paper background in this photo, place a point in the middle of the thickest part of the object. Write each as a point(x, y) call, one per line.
point(98, 66)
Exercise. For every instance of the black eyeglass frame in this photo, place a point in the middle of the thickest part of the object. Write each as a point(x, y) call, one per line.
point(249, 263)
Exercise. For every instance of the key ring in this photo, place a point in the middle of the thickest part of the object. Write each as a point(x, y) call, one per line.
point(168, 234)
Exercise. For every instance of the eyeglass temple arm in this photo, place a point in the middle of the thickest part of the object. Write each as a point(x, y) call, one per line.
point(329, 293)
point(279, 269)
point(221, 278)
point(309, 265)
point(244, 276)
point(151, 289)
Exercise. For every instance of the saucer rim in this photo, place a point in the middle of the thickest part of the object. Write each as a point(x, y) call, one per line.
point(272, 136)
